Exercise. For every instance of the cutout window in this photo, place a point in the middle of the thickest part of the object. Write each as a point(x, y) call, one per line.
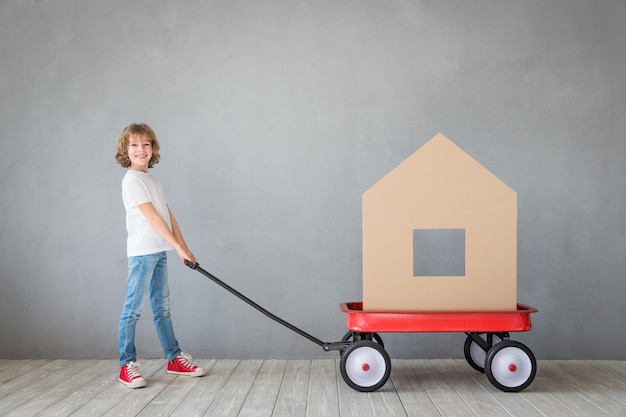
point(438, 252)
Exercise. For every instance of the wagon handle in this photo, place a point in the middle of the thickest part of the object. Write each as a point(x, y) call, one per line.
point(324, 345)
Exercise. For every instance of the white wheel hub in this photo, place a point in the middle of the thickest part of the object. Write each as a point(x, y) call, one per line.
point(365, 366)
point(511, 367)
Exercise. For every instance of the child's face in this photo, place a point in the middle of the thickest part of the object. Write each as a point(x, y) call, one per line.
point(139, 152)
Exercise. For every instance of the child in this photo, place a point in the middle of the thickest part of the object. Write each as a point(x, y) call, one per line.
point(152, 230)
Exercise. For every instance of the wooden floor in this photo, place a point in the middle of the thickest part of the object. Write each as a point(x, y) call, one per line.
point(306, 388)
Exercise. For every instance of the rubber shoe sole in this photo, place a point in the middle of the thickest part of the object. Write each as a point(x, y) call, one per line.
point(197, 372)
point(134, 384)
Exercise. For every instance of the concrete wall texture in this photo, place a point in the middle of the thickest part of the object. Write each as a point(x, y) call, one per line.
point(274, 117)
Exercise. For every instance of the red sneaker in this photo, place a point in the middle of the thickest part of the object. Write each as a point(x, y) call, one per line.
point(130, 376)
point(182, 366)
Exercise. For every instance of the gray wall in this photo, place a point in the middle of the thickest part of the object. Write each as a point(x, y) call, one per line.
point(274, 118)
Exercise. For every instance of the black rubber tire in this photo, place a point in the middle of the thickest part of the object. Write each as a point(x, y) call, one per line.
point(470, 346)
point(510, 366)
point(365, 366)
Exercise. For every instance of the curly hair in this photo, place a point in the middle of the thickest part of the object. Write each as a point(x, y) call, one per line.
point(140, 129)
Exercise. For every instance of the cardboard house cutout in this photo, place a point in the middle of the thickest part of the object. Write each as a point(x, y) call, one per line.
point(439, 234)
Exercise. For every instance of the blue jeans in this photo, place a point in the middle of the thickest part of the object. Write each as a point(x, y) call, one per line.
point(146, 273)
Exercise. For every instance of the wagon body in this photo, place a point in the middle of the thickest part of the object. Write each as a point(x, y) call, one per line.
point(361, 321)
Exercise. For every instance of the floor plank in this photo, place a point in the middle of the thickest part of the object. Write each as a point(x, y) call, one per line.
point(514, 404)
point(206, 390)
point(262, 396)
point(234, 392)
point(174, 393)
point(138, 399)
point(447, 400)
point(293, 393)
point(112, 392)
point(386, 401)
point(613, 373)
point(93, 379)
point(412, 393)
point(11, 370)
point(352, 403)
point(577, 377)
point(478, 399)
point(307, 388)
point(36, 384)
point(323, 398)
point(553, 398)
point(19, 381)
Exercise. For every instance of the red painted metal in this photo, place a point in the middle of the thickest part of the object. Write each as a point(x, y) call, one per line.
point(361, 321)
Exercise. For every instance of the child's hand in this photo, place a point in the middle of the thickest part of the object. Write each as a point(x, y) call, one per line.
point(185, 255)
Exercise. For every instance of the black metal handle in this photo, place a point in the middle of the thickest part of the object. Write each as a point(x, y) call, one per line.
point(196, 266)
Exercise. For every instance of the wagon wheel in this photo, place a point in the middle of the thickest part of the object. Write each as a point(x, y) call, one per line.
point(510, 366)
point(475, 354)
point(365, 366)
point(374, 337)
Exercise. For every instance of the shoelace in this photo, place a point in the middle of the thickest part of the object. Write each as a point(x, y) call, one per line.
point(133, 370)
point(186, 359)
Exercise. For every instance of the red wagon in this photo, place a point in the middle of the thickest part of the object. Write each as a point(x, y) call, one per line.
point(510, 366)
point(366, 366)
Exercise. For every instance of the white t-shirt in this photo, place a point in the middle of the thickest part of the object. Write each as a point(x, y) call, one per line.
point(139, 188)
